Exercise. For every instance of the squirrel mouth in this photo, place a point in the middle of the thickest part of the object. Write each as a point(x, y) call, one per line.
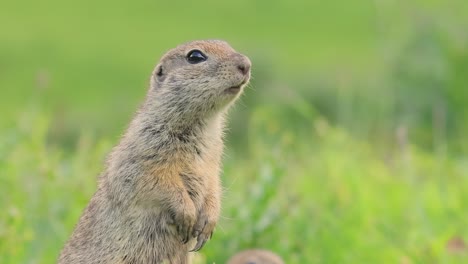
point(236, 88)
point(233, 89)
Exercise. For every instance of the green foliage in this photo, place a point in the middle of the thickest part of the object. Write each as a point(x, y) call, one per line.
point(335, 199)
point(328, 199)
point(43, 190)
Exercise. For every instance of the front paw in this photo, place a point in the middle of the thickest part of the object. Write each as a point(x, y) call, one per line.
point(184, 220)
point(203, 229)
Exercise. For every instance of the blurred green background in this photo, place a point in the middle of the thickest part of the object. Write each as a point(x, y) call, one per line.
point(349, 146)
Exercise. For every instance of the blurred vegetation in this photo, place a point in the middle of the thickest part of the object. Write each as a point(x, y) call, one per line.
point(349, 146)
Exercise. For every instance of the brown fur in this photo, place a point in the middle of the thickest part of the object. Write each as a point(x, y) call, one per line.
point(255, 256)
point(159, 194)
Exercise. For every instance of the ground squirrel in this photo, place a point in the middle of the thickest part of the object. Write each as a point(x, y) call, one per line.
point(159, 195)
point(255, 256)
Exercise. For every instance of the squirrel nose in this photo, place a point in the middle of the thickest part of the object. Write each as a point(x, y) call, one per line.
point(244, 68)
point(244, 65)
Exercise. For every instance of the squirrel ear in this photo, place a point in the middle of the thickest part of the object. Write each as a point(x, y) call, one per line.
point(159, 73)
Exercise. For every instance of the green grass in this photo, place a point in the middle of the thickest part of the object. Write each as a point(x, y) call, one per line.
point(349, 146)
point(330, 199)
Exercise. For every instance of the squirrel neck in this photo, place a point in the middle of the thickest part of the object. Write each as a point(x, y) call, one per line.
point(175, 118)
point(159, 130)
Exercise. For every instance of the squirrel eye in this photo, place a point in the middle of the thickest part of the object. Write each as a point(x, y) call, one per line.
point(196, 56)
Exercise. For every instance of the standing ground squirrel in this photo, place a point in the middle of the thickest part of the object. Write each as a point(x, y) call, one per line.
point(159, 195)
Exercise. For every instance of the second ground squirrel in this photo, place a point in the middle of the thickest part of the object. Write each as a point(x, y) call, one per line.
point(159, 195)
point(255, 256)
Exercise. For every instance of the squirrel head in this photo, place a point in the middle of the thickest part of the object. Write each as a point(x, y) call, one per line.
point(199, 77)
